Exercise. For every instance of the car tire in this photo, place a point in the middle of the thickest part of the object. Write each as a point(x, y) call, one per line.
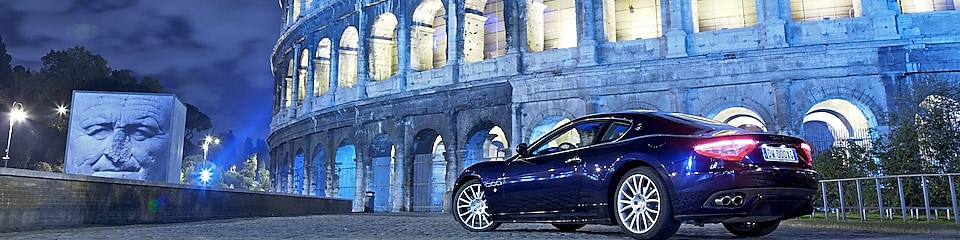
point(642, 205)
point(568, 227)
point(751, 229)
point(470, 208)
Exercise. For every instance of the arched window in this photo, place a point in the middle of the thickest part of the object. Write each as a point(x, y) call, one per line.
point(495, 37)
point(383, 55)
point(484, 32)
point(429, 36)
point(723, 14)
point(551, 24)
point(347, 65)
point(302, 75)
point(288, 85)
point(632, 19)
point(321, 68)
point(816, 10)
point(917, 6)
point(296, 10)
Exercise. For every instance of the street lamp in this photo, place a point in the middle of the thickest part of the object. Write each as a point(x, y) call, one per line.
point(204, 172)
point(61, 110)
point(16, 114)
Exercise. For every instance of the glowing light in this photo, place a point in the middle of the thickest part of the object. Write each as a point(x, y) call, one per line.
point(205, 176)
point(18, 114)
point(61, 109)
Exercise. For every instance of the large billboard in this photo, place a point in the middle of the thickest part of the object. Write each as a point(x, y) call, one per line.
point(135, 136)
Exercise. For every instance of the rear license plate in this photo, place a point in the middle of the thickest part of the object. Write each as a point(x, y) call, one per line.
point(772, 154)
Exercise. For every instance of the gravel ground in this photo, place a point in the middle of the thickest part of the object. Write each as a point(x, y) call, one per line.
point(408, 226)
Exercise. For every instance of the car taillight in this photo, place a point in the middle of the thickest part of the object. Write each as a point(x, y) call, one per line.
point(808, 151)
point(726, 149)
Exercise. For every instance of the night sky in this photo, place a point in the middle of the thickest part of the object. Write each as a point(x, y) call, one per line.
point(213, 54)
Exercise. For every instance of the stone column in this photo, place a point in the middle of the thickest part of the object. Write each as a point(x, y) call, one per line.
point(309, 72)
point(513, 27)
point(404, 22)
point(677, 28)
point(786, 122)
point(473, 37)
point(456, 17)
point(884, 15)
point(534, 26)
point(363, 45)
point(453, 171)
point(587, 31)
point(771, 27)
point(295, 98)
point(681, 99)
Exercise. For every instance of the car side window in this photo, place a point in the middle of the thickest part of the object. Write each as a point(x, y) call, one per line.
point(615, 130)
point(580, 135)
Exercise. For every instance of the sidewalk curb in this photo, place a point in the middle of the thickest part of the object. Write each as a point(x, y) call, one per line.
point(918, 228)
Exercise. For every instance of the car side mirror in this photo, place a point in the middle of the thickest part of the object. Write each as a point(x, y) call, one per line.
point(522, 149)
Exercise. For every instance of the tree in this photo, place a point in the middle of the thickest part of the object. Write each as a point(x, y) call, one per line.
point(6, 70)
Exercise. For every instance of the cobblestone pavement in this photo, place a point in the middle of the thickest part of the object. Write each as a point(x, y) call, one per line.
point(407, 226)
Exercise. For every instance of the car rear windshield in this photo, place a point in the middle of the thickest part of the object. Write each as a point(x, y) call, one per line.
point(694, 125)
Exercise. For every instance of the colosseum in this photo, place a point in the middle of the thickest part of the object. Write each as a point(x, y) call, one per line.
point(391, 99)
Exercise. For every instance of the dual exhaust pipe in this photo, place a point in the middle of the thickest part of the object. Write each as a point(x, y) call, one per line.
point(728, 200)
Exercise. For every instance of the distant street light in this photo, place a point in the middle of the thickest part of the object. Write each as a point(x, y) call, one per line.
point(204, 172)
point(61, 109)
point(16, 114)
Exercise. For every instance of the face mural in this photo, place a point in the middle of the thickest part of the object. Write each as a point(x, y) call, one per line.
point(125, 135)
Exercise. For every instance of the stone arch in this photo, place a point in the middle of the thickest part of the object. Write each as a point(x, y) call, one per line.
point(741, 117)
point(347, 62)
point(302, 75)
point(625, 20)
point(545, 125)
point(428, 48)
point(319, 165)
point(545, 121)
point(345, 169)
point(383, 47)
point(551, 24)
point(298, 172)
point(429, 172)
point(487, 142)
point(637, 105)
point(288, 85)
point(833, 121)
point(382, 153)
point(321, 68)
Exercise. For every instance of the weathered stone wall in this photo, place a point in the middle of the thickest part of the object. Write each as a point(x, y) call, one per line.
point(36, 200)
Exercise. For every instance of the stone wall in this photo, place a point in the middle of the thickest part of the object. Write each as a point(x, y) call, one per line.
point(39, 200)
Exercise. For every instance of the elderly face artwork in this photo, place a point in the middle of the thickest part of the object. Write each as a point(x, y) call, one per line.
point(119, 136)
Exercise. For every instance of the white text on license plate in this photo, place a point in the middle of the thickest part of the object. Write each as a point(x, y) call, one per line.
point(772, 154)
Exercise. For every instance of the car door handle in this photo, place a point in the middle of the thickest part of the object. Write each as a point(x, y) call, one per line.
point(573, 160)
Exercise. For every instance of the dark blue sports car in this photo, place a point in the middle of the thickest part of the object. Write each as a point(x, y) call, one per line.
point(645, 171)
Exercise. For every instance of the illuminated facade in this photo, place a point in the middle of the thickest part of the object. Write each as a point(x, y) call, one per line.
point(395, 97)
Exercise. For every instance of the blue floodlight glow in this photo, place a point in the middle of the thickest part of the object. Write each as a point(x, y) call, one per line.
point(205, 176)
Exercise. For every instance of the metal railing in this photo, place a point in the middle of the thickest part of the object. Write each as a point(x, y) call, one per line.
point(891, 196)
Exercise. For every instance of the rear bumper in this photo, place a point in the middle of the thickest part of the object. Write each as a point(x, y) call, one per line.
point(765, 194)
point(759, 205)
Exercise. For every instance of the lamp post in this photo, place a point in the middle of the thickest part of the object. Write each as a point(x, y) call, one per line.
point(16, 114)
point(204, 172)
